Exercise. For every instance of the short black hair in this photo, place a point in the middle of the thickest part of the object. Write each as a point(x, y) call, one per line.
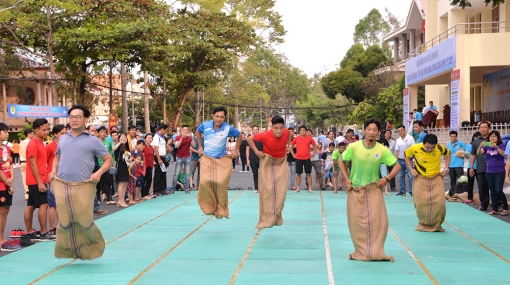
point(401, 126)
point(277, 120)
point(220, 109)
point(484, 122)
point(163, 126)
point(3, 126)
point(430, 138)
point(102, 128)
point(309, 130)
point(387, 130)
point(68, 126)
point(86, 112)
point(88, 127)
point(350, 131)
point(302, 127)
point(136, 154)
point(57, 128)
point(253, 127)
point(149, 134)
point(140, 142)
point(498, 135)
point(420, 123)
point(185, 126)
point(113, 132)
point(291, 128)
point(131, 127)
point(39, 122)
point(341, 144)
point(27, 132)
point(454, 133)
point(333, 144)
point(373, 121)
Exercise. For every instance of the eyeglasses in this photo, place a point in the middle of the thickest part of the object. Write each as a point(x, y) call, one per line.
point(75, 117)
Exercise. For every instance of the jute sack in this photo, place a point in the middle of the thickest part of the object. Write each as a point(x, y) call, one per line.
point(273, 180)
point(429, 201)
point(214, 178)
point(368, 222)
point(77, 234)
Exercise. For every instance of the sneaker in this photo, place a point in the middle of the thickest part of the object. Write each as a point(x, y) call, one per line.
point(469, 202)
point(46, 237)
point(17, 233)
point(411, 194)
point(34, 235)
point(53, 233)
point(401, 194)
point(188, 190)
point(329, 184)
point(10, 245)
point(25, 240)
point(100, 212)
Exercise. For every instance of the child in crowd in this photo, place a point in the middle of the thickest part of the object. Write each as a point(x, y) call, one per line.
point(181, 180)
point(337, 154)
point(140, 146)
point(327, 163)
point(135, 178)
point(6, 190)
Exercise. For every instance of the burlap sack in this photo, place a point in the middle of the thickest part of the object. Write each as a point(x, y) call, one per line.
point(212, 192)
point(273, 178)
point(368, 222)
point(77, 234)
point(429, 201)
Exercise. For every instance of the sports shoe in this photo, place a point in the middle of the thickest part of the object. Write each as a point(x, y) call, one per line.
point(46, 237)
point(100, 212)
point(53, 233)
point(411, 194)
point(401, 194)
point(469, 202)
point(25, 240)
point(34, 235)
point(329, 184)
point(10, 245)
point(188, 190)
point(17, 233)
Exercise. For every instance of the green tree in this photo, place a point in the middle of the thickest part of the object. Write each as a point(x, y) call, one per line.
point(371, 59)
point(371, 29)
point(387, 106)
point(353, 52)
point(465, 3)
point(346, 82)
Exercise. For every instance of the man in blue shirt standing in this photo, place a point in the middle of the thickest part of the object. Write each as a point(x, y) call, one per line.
point(417, 115)
point(432, 107)
point(215, 164)
point(456, 167)
point(418, 133)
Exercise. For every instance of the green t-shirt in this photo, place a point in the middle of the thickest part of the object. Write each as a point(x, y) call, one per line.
point(109, 147)
point(336, 155)
point(366, 162)
point(182, 177)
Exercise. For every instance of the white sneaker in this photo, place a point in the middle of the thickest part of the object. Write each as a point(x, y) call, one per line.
point(329, 184)
point(241, 171)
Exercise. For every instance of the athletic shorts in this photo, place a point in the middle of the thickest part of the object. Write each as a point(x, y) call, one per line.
point(329, 174)
point(36, 198)
point(5, 199)
point(306, 164)
point(139, 181)
point(51, 198)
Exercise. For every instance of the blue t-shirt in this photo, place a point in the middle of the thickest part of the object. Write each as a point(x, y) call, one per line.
point(419, 137)
point(432, 107)
point(455, 160)
point(321, 138)
point(215, 141)
point(418, 116)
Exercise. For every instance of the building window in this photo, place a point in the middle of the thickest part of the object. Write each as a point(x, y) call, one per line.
point(495, 18)
point(27, 97)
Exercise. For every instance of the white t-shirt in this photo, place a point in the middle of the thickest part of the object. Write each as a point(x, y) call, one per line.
point(158, 141)
point(339, 139)
point(403, 144)
point(425, 109)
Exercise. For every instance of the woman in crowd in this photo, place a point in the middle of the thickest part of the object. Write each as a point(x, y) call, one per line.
point(231, 146)
point(148, 153)
point(494, 151)
point(121, 154)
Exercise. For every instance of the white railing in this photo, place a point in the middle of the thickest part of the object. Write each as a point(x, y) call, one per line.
point(461, 28)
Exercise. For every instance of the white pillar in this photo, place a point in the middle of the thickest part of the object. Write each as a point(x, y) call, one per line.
point(395, 50)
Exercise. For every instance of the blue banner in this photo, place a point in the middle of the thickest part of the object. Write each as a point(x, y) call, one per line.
point(30, 111)
point(438, 59)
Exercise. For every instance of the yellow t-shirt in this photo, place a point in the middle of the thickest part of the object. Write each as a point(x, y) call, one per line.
point(427, 164)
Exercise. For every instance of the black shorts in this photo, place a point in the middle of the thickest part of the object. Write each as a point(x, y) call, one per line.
point(36, 198)
point(139, 181)
point(5, 199)
point(300, 164)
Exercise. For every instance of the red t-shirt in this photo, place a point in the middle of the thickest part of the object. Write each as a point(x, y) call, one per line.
point(183, 150)
point(303, 147)
point(51, 149)
point(5, 167)
point(37, 150)
point(275, 147)
point(148, 154)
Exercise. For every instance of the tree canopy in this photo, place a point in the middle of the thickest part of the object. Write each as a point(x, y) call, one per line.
point(371, 29)
point(465, 3)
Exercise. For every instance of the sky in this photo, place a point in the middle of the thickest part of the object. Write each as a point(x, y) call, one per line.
point(319, 32)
